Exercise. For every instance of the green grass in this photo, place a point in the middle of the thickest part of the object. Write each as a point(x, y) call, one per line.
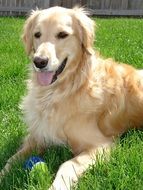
point(119, 38)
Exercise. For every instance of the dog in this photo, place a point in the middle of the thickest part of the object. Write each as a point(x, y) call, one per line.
point(74, 96)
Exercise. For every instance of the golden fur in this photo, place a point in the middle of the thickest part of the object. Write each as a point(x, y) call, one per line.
point(92, 101)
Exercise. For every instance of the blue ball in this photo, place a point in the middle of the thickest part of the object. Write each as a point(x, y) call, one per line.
point(31, 162)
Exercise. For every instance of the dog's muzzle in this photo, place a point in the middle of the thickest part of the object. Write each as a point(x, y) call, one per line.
point(45, 77)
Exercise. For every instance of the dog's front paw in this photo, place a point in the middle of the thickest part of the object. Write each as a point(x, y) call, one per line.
point(66, 177)
point(59, 187)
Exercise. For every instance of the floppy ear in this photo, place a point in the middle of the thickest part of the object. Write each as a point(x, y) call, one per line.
point(28, 31)
point(86, 29)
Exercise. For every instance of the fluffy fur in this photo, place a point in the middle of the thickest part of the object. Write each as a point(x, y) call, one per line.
point(92, 101)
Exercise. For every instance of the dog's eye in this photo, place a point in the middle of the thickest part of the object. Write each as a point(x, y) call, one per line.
point(62, 35)
point(37, 34)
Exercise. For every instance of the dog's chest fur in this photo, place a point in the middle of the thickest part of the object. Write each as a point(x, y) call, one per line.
point(46, 118)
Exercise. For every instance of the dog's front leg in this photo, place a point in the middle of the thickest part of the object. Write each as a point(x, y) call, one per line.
point(29, 145)
point(70, 171)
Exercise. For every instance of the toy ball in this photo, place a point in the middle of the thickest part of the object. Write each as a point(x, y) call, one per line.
point(32, 161)
point(37, 166)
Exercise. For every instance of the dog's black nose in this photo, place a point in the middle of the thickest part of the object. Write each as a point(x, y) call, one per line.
point(40, 62)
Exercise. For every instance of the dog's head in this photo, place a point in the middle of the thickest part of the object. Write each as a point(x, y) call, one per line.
point(55, 38)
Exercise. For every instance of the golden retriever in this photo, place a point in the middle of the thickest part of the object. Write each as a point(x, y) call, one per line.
point(74, 97)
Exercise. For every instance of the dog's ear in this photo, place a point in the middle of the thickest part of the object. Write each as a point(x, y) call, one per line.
point(28, 31)
point(86, 29)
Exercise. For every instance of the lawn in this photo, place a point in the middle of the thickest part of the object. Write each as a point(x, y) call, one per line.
point(121, 39)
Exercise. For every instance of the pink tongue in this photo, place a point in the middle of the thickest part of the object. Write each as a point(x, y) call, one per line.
point(45, 78)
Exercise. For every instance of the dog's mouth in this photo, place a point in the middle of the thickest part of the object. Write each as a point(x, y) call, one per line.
point(48, 77)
